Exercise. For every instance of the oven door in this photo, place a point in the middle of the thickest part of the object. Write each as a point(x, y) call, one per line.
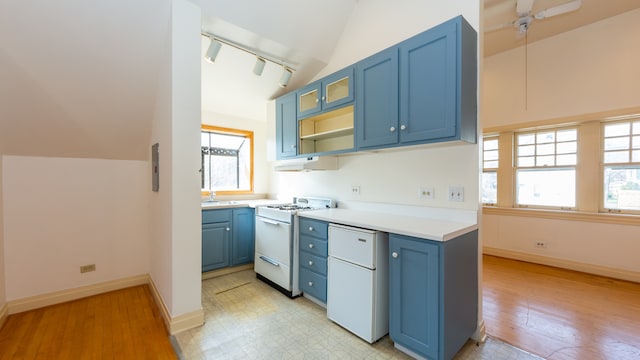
point(273, 251)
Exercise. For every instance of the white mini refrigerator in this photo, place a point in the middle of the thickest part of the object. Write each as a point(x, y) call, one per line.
point(358, 281)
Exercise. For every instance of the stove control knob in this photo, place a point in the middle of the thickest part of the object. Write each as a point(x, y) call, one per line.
point(310, 246)
point(394, 254)
point(310, 263)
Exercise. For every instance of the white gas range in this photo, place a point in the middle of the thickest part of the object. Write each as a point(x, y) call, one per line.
point(276, 242)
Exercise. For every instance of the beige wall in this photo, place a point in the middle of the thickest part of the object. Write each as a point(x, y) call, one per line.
point(61, 213)
point(590, 70)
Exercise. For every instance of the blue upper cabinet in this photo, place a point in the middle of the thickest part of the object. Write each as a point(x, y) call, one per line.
point(286, 126)
point(377, 99)
point(328, 93)
point(438, 84)
point(432, 97)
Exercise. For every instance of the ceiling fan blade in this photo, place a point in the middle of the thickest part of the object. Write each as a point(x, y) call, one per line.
point(558, 10)
point(499, 27)
point(523, 7)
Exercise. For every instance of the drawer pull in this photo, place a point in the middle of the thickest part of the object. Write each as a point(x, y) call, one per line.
point(310, 283)
point(310, 228)
point(363, 240)
point(394, 254)
point(310, 263)
point(269, 260)
point(310, 246)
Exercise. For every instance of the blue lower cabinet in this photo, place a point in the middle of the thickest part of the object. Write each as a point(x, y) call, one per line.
point(433, 293)
point(227, 237)
point(242, 243)
point(215, 245)
point(313, 258)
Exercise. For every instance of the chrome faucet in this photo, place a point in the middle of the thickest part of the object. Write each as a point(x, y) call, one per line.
point(211, 195)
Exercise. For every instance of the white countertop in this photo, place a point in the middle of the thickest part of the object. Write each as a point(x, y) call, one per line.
point(227, 204)
point(422, 227)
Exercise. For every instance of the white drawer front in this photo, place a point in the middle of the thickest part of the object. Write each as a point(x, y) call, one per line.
point(277, 272)
point(354, 245)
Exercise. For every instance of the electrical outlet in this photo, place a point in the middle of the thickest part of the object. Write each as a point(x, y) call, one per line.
point(355, 189)
point(426, 193)
point(456, 193)
point(87, 268)
point(540, 244)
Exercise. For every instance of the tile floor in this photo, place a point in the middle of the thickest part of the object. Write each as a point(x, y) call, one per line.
point(247, 319)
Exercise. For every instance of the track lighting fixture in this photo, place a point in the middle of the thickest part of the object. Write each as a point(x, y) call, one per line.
point(285, 77)
point(212, 52)
point(259, 66)
point(261, 59)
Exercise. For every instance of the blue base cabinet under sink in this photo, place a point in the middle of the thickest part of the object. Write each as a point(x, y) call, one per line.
point(433, 294)
point(227, 237)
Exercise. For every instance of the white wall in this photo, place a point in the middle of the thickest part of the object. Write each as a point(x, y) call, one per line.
point(589, 70)
point(259, 128)
point(61, 213)
point(175, 210)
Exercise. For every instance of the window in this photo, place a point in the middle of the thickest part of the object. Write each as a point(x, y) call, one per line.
point(490, 170)
point(621, 166)
point(546, 168)
point(226, 160)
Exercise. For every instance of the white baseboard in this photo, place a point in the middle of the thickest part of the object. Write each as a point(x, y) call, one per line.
point(565, 264)
point(179, 323)
point(481, 334)
point(38, 301)
point(4, 314)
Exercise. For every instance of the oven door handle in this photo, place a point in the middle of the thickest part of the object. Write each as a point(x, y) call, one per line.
point(271, 222)
point(269, 260)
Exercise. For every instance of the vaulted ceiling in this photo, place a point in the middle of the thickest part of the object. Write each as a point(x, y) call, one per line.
point(78, 78)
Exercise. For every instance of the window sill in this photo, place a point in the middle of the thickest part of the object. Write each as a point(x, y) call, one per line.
point(606, 218)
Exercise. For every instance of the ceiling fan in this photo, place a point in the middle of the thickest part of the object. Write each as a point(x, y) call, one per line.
point(525, 17)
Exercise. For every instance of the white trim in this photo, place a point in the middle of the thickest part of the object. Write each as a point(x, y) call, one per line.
point(39, 301)
point(481, 334)
point(633, 276)
point(187, 321)
point(4, 314)
point(179, 323)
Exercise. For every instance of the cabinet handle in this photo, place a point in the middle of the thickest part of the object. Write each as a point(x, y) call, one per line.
point(394, 254)
point(310, 246)
point(403, 127)
point(310, 283)
point(310, 228)
point(228, 229)
point(293, 146)
point(323, 99)
point(392, 129)
point(316, 100)
point(310, 263)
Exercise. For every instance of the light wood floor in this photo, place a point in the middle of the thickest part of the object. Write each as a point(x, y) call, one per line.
point(560, 314)
point(554, 313)
point(123, 324)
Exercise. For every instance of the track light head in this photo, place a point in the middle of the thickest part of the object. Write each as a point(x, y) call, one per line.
point(212, 52)
point(259, 66)
point(285, 77)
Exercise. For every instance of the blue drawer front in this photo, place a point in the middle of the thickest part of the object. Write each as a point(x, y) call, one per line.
point(315, 228)
point(314, 246)
point(314, 263)
point(212, 216)
point(313, 284)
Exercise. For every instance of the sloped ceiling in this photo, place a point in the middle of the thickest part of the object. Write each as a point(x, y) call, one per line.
point(78, 78)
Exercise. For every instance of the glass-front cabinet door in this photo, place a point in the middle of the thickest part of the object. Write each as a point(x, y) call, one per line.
point(337, 89)
point(309, 99)
point(328, 93)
